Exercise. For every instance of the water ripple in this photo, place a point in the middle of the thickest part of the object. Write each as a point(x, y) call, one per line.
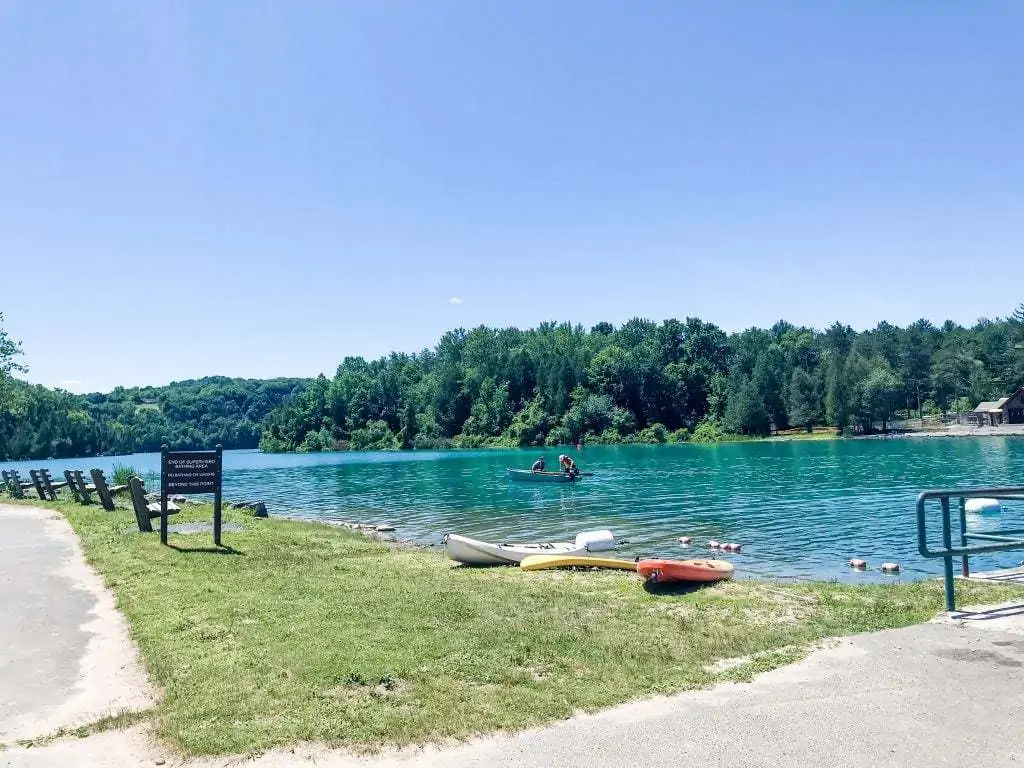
point(801, 510)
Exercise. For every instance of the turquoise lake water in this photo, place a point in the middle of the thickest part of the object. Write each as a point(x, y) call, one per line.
point(800, 509)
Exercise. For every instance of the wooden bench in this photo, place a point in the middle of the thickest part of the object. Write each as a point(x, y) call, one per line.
point(104, 491)
point(44, 485)
point(145, 511)
point(77, 486)
point(14, 484)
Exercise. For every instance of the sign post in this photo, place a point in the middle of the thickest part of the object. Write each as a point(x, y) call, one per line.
point(191, 472)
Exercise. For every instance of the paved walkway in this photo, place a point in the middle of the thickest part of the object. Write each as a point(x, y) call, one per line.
point(65, 654)
point(945, 693)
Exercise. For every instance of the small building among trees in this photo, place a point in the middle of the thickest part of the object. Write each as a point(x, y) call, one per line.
point(1008, 410)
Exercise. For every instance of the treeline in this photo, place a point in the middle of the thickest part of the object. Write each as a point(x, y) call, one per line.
point(648, 382)
point(38, 422)
point(555, 384)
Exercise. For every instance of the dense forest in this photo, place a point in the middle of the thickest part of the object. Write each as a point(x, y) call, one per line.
point(648, 382)
point(555, 384)
point(37, 422)
point(196, 414)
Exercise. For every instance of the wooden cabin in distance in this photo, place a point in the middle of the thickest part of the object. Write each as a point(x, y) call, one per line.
point(1008, 410)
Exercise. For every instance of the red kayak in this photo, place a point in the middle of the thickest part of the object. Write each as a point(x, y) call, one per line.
point(700, 571)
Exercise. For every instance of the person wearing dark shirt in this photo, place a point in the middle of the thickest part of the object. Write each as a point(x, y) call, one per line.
point(538, 465)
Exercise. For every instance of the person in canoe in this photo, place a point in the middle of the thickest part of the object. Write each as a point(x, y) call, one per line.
point(567, 465)
point(538, 465)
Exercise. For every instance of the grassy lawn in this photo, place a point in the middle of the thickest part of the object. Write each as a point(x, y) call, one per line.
point(802, 434)
point(309, 632)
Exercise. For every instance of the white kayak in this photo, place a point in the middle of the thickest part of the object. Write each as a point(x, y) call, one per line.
point(463, 549)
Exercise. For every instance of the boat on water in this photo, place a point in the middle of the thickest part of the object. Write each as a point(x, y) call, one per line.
point(529, 476)
point(697, 571)
point(468, 551)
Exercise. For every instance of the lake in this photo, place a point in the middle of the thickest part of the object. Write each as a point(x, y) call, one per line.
point(800, 509)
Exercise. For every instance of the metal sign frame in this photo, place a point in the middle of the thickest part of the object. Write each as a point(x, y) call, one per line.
point(191, 472)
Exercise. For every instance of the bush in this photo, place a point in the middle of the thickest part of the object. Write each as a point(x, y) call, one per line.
point(529, 425)
point(375, 436)
point(962, 405)
point(623, 421)
point(316, 442)
point(429, 443)
point(708, 431)
point(609, 437)
point(124, 472)
point(468, 441)
point(558, 436)
point(681, 435)
point(653, 433)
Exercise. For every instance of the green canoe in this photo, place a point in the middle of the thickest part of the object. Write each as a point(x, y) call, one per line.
point(529, 476)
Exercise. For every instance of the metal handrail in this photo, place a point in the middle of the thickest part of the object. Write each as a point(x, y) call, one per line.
point(1003, 539)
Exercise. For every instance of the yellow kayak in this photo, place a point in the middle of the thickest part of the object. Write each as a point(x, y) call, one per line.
point(541, 562)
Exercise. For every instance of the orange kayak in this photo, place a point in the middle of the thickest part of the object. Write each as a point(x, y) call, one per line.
point(685, 570)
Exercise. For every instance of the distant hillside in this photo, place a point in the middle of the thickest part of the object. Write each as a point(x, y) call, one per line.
point(650, 382)
point(41, 422)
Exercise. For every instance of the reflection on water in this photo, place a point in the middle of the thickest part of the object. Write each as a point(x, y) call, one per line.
point(800, 509)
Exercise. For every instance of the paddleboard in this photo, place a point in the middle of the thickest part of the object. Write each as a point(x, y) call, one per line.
point(542, 562)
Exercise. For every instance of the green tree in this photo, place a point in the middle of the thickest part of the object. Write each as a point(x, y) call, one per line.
point(804, 401)
point(10, 349)
point(951, 370)
point(915, 355)
point(880, 392)
point(745, 412)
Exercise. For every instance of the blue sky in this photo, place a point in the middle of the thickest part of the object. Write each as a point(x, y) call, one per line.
point(260, 189)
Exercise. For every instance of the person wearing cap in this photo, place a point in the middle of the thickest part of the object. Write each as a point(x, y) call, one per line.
point(538, 465)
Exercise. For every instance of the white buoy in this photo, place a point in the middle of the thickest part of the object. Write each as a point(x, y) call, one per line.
point(714, 544)
point(686, 539)
point(983, 506)
point(890, 567)
point(859, 564)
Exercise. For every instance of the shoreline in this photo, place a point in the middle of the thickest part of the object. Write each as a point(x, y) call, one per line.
point(471, 650)
point(955, 430)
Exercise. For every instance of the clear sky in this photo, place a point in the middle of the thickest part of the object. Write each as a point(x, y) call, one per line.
point(262, 188)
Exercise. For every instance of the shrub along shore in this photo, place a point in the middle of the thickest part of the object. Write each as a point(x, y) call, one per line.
point(309, 632)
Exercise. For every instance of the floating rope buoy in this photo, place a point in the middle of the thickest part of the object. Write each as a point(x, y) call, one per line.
point(732, 547)
point(686, 539)
point(860, 565)
point(890, 567)
point(714, 544)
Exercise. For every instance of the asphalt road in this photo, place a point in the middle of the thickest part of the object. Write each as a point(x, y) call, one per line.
point(65, 654)
point(936, 694)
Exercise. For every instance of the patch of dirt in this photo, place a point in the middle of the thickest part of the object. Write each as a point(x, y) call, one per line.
point(355, 689)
